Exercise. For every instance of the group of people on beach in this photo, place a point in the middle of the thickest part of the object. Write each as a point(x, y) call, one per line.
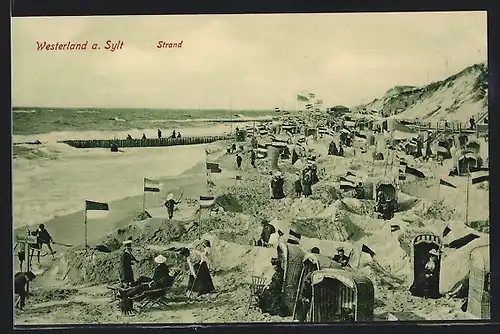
point(159, 133)
point(199, 267)
point(23, 277)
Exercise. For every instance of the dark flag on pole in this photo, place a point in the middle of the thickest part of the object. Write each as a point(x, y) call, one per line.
point(446, 231)
point(446, 183)
point(414, 172)
point(95, 206)
point(367, 250)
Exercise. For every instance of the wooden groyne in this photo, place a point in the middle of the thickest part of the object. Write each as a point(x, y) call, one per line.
point(149, 142)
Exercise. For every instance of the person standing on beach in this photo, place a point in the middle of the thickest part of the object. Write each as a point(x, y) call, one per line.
point(44, 238)
point(178, 134)
point(298, 185)
point(170, 205)
point(21, 279)
point(307, 184)
point(239, 160)
point(200, 280)
point(267, 231)
point(252, 158)
point(173, 134)
point(159, 134)
point(127, 260)
point(21, 253)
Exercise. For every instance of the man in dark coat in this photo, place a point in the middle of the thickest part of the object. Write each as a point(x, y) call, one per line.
point(271, 299)
point(298, 185)
point(307, 184)
point(239, 160)
point(341, 258)
point(21, 279)
point(159, 134)
point(279, 184)
point(265, 235)
point(252, 158)
point(127, 260)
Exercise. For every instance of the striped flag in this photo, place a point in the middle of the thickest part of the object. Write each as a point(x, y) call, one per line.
point(302, 98)
point(446, 183)
point(277, 109)
point(263, 132)
point(312, 96)
point(151, 186)
point(207, 201)
point(213, 167)
point(96, 206)
point(319, 101)
point(479, 176)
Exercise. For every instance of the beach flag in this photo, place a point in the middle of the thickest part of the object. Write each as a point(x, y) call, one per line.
point(96, 206)
point(213, 167)
point(294, 237)
point(367, 250)
point(207, 201)
point(312, 96)
point(346, 184)
point(479, 176)
point(395, 228)
point(93, 206)
point(277, 109)
point(446, 183)
point(151, 186)
point(446, 231)
point(414, 172)
point(302, 98)
point(319, 101)
point(309, 106)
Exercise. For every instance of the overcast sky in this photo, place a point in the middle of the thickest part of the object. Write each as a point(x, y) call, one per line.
point(239, 61)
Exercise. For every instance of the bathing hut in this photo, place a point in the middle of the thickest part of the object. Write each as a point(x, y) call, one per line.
point(473, 146)
point(466, 160)
point(478, 304)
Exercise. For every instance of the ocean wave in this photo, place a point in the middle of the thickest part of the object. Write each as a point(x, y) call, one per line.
point(20, 111)
point(87, 111)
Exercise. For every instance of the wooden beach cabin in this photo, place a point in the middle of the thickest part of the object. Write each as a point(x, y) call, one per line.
point(478, 303)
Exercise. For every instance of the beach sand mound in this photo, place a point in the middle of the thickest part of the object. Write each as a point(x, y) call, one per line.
point(88, 267)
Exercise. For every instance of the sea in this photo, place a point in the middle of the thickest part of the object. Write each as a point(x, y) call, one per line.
point(53, 179)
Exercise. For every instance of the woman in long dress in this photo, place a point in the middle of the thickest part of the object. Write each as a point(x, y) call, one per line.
point(200, 280)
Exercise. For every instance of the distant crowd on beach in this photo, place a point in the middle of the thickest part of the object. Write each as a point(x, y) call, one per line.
point(173, 135)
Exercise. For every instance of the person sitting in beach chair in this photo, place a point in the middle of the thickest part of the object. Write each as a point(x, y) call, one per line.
point(148, 287)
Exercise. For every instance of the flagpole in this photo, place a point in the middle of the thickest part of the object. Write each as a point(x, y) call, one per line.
point(467, 197)
point(439, 186)
point(143, 195)
point(85, 222)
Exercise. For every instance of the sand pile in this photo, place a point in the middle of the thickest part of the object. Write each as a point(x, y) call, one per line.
point(433, 210)
point(326, 192)
point(90, 267)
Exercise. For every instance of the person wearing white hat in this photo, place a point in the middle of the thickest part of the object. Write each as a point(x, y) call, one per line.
point(127, 260)
point(150, 286)
point(170, 205)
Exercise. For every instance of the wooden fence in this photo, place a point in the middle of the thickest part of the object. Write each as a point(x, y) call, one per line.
point(150, 142)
